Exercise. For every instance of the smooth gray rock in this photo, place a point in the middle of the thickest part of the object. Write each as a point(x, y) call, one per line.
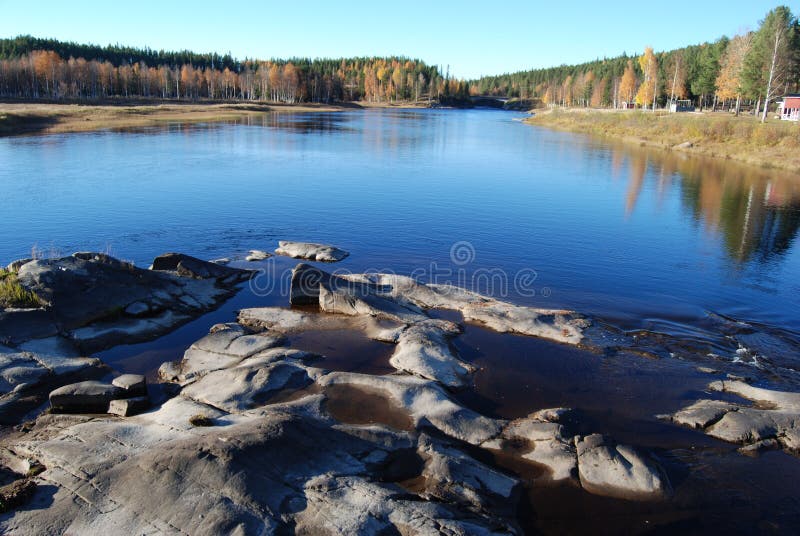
point(100, 300)
point(545, 442)
point(424, 349)
point(454, 477)
point(224, 347)
point(310, 251)
point(127, 407)
point(427, 403)
point(284, 469)
point(253, 381)
point(606, 468)
point(131, 384)
point(84, 397)
point(776, 417)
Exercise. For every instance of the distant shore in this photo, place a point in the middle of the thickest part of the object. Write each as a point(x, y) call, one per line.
point(744, 139)
point(19, 118)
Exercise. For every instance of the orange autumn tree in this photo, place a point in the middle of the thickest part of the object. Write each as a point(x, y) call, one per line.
point(627, 86)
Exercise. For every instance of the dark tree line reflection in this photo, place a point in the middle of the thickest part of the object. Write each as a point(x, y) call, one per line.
point(756, 211)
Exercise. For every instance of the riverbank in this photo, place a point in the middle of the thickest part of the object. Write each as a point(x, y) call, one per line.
point(35, 118)
point(744, 139)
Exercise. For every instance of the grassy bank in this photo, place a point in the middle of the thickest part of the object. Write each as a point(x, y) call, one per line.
point(744, 139)
point(35, 118)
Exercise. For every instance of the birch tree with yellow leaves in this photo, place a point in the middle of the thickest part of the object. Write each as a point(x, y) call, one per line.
point(647, 91)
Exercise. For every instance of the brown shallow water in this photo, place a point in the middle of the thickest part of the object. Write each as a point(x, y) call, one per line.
point(716, 489)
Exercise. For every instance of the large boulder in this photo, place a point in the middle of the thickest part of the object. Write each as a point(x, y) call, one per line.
point(98, 299)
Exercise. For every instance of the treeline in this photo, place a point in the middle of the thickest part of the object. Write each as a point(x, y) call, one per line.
point(34, 68)
point(752, 69)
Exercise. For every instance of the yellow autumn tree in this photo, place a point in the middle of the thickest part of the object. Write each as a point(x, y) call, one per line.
point(627, 86)
point(649, 66)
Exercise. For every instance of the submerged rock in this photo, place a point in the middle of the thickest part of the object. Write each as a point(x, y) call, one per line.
point(310, 251)
point(257, 255)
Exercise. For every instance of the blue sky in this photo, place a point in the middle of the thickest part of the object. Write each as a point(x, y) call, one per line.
point(474, 38)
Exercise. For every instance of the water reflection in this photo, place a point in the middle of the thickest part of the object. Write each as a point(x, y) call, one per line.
point(756, 212)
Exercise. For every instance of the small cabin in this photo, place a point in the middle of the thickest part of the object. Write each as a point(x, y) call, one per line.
point(681, 106)
point(789, 107)
point(624, 105)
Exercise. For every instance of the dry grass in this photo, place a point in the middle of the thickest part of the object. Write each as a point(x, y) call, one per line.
point(30, 118)
point(773, 144)
point(12, 294)
point(201, 420)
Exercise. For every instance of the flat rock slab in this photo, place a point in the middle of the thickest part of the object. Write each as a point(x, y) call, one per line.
point(98, 300)
point(84, 397)
point(29, 371)
point(283, 469)
point(310, 251)
point(253, 381)
point(773, 421)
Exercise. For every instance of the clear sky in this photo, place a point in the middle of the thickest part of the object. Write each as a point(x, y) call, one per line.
point(474, 38)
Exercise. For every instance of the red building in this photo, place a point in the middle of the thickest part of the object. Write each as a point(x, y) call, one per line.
point(789, 107)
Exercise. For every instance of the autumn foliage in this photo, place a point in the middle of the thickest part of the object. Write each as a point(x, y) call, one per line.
point(46, 74)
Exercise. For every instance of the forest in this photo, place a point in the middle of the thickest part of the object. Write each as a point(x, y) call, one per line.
point(741, 71)
point(32, 68)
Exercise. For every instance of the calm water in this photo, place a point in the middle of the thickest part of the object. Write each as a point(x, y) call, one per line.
point(643, 239)
point(647, 239)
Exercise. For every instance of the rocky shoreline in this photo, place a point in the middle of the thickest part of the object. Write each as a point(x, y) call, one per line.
point(243, 434)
